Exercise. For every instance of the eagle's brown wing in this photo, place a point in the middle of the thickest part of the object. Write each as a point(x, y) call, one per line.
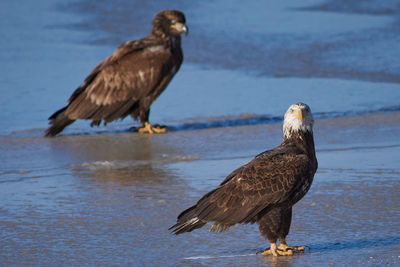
point(112, 89)
point(269, 179)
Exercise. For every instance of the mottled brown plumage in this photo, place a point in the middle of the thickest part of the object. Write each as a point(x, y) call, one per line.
point(129, 80)
point(264, 190)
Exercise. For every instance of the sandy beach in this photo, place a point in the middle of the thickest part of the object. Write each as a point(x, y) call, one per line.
point(107, 196)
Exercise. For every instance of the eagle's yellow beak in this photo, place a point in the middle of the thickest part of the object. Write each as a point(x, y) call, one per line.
point(298, 113)
point(181, 27)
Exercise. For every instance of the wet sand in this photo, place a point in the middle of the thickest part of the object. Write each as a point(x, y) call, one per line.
point(110, 198)
point(107, 196)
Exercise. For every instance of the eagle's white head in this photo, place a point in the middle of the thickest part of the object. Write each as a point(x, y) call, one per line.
point(297, 118)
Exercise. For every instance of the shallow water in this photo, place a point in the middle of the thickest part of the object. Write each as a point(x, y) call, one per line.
point(106, 196)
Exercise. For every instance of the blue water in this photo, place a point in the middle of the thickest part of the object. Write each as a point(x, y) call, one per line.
point(104, 196)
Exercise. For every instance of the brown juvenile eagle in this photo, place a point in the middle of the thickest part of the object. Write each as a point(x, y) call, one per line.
point(129, 80)
point(264, 190)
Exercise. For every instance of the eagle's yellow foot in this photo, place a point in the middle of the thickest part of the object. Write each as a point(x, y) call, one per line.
point(148, 128)
point(273, 250)
point(284, 247)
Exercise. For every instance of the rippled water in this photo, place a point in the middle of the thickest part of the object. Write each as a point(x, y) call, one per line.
point(106, 196)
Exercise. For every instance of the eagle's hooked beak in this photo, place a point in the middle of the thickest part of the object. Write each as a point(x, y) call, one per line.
point(180, 27)
point(185, 29)
point(298, 113)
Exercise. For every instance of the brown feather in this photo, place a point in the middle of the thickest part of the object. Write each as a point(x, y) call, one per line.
point(270, 179)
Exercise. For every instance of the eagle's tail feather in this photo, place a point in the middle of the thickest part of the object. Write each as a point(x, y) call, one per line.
point(58, 121)
point(187, 222)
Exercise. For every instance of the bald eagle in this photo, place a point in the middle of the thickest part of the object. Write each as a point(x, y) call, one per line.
point(264, 190)
point(128, 81)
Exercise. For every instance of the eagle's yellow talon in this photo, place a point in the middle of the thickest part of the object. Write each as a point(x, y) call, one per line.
point(284, 247)
point(271, 250)
point(282, 250)
point(285, 253)
point(159, 129)
point(266, 252)
point(276, 251)
point(150, 129)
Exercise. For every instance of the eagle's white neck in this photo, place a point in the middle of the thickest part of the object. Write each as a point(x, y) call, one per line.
point(295, 125)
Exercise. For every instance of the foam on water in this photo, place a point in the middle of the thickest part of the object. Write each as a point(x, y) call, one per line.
point(119, 164)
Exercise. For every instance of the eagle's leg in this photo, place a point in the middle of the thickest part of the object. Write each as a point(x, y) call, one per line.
point(275, 251)
point(284, 246)
point(144, 118)
point(95, 123)
point(148, 128)
point(273, 225)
